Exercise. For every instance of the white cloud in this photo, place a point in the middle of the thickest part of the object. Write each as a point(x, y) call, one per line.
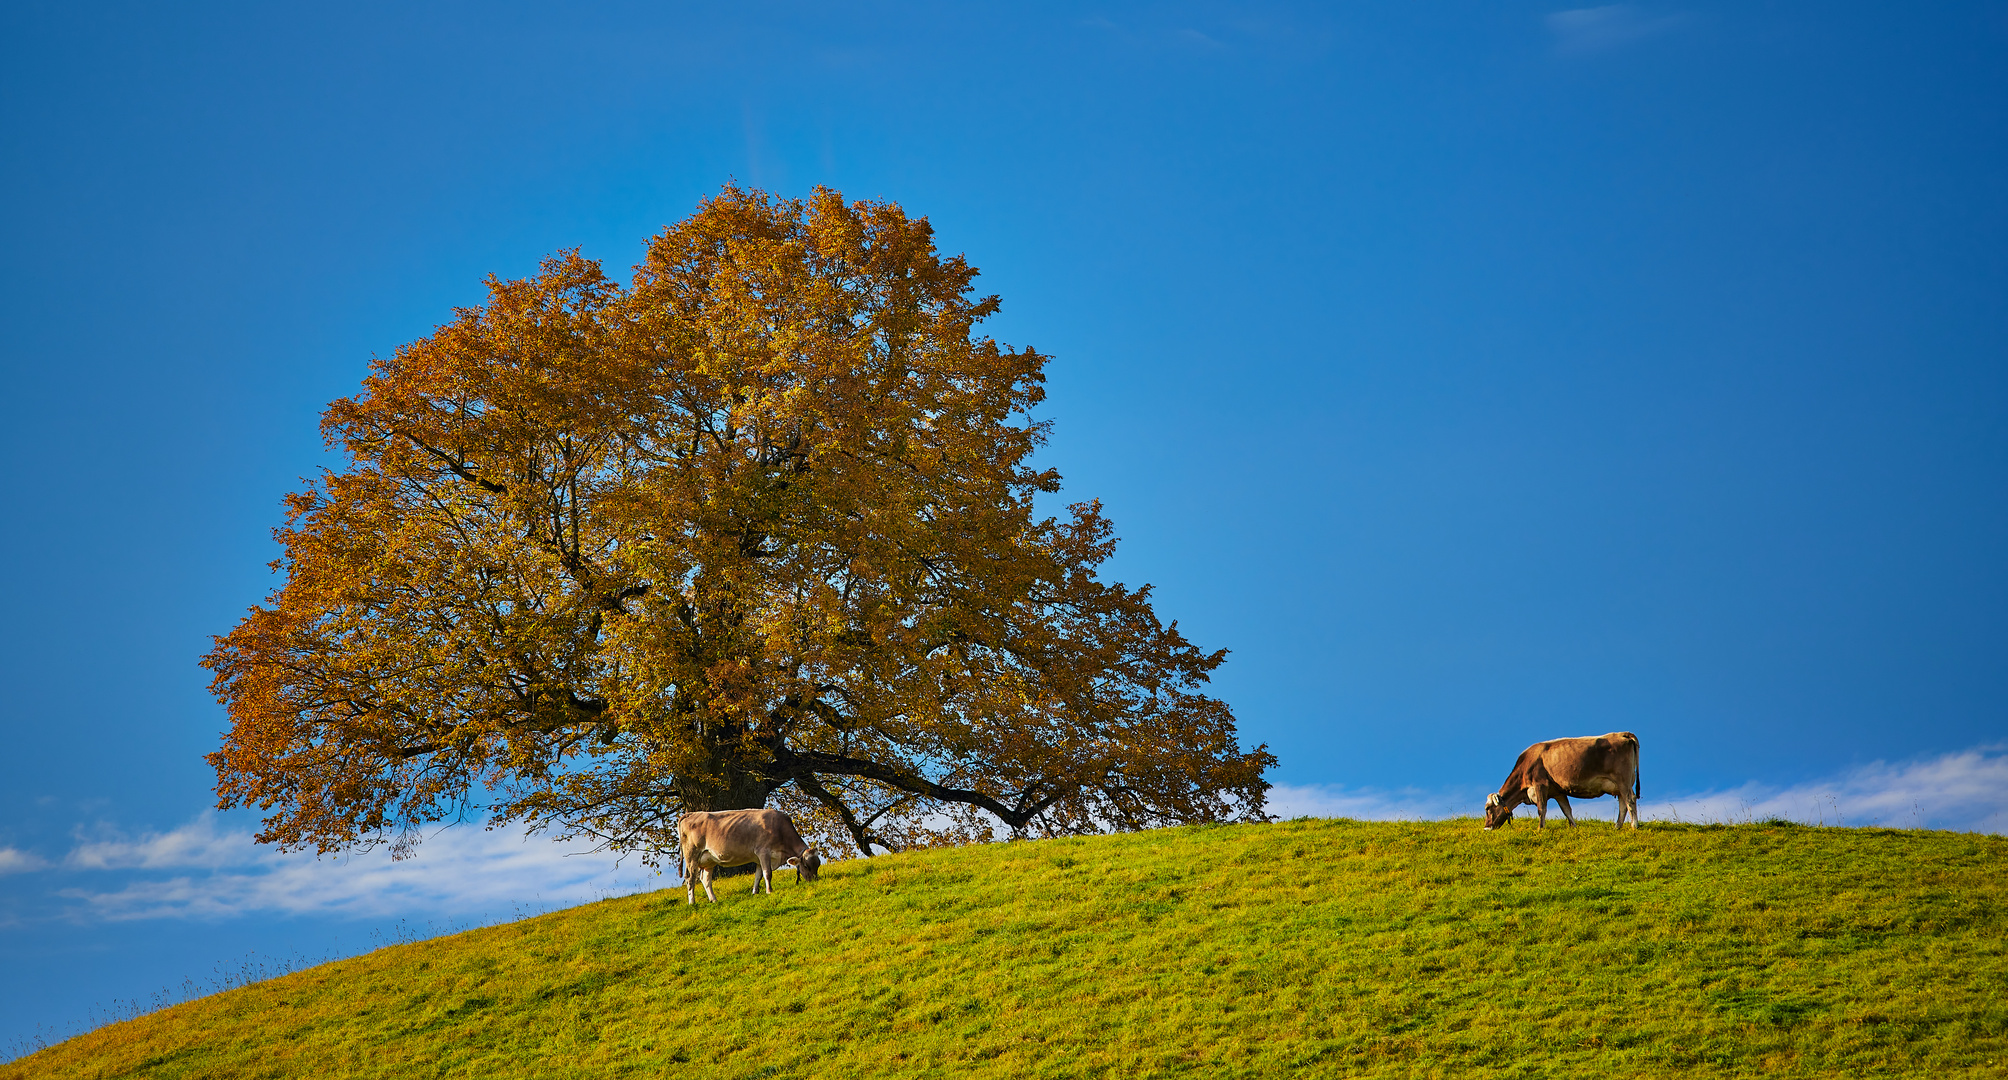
point(1965, 791)
point(462, 869)
point(200, 843)
point(1364, 804)
point(16, 861)
point(1583, 30)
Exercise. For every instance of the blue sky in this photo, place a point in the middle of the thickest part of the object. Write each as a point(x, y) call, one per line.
point(1477, 373)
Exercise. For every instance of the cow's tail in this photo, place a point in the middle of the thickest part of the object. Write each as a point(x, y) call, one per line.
point(1637, 772)
point(682, 864)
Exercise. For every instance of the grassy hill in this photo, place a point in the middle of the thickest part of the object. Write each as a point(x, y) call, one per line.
point(1309, 948)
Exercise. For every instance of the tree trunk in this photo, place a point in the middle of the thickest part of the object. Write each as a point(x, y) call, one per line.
point(738, 789)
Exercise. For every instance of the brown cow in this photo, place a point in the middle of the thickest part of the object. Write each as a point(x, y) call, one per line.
point(765, 838)
point(1588, 767)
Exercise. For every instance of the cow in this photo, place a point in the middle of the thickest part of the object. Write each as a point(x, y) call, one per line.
point(1587, 767)
point(766, 838)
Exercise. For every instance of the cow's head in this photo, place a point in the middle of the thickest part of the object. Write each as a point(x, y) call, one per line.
point(806, 865)
point(1497, 811)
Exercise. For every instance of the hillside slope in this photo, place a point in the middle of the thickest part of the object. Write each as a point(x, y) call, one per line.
point(1307, 948)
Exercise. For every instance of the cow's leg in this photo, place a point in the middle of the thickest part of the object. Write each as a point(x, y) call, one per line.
point(1623, 796)
point(707, 885)
point(1541, 812)
point(1563, 802)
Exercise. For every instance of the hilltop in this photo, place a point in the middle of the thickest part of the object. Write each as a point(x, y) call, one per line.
point(1309, 947)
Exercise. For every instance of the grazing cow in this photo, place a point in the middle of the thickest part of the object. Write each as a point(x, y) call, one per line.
point(765, 838)
point(1588, 767)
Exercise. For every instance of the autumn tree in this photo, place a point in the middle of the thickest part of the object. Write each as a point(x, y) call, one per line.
point(758, 527)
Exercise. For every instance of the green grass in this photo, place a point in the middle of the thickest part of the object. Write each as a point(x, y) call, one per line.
point(1316, 948)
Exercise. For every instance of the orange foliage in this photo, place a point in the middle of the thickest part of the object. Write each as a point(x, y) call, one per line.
point(757, 527)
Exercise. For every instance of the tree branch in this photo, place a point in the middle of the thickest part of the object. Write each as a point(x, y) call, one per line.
point(458, 468)
point(859, 833)
point(797, 764)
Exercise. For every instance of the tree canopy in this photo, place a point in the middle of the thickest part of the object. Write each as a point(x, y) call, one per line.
point(757, 528)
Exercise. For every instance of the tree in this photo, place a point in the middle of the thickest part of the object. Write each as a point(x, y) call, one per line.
point(758, 526)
